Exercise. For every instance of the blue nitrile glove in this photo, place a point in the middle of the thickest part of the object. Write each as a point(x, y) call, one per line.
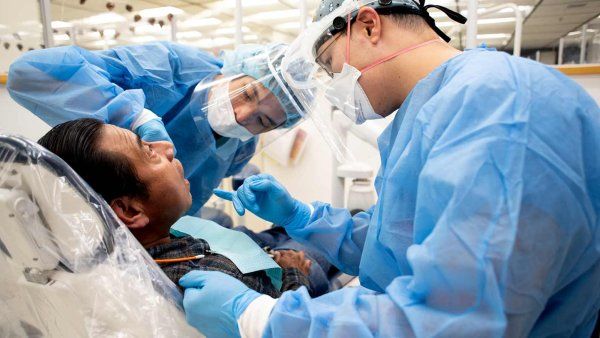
point(269, 200)
point(153, 131)
point(213, 302)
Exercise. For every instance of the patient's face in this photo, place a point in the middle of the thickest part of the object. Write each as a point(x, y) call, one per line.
point(156, 167)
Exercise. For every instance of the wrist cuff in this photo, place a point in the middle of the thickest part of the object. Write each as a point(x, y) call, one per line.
point(145, 116)
point(254, 319)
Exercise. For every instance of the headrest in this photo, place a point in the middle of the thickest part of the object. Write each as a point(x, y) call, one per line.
point(54, 205)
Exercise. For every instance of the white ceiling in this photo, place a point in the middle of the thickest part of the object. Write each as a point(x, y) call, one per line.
point(552, 19)
point(209, 23)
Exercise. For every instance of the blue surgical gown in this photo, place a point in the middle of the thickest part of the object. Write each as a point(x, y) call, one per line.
point(66, 83)
point(487, 221)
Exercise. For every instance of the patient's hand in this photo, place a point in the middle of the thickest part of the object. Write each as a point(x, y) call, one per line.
point(292, 259)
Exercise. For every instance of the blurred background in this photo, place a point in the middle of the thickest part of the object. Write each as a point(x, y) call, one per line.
point(553, 31)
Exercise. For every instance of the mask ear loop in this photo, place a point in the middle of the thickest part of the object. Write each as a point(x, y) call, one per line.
point(348, 39)
point(402, 51)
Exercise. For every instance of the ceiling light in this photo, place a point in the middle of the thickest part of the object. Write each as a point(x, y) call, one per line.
point(189, 35)
point(110, 33)
point(103, 43)
point(142, 39)
point(493, 36)
point(230, 30)
point(251, 38)
point(274, 15)
point(103, 18)
point(213, 43)
point(160, 12)
point(229, 4)
point(292, 25)
point(61, 24)
point(144, 29)
point(200, 22)
point(61, 37)
point(495, 21)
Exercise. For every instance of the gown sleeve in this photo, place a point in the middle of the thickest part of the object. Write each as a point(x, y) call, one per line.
point(335, 234)
point(66, 83)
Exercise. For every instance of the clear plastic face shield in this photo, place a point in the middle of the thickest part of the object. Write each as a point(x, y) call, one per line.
point(252, 101)
point(241, 107)
point(307, 64)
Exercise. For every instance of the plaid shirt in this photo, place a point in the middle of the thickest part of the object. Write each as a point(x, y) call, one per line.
point(189, 246)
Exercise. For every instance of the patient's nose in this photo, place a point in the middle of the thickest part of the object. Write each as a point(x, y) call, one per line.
point(166, 149)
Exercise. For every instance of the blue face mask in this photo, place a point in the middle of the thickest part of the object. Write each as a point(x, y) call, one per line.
point(235, 245)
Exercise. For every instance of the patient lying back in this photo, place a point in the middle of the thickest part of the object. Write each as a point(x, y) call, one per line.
point(145, 186)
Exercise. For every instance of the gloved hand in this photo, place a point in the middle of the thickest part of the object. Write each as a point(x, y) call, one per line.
point(153, 131)
point(269, 200)
point(213, 302)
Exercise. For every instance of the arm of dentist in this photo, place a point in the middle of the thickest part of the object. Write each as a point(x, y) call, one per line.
point(332, 231)
point(128, 86)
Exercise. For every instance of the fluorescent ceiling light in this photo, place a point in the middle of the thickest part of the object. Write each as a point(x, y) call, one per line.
point(213, 43)
point(160, 12)
point(142, 39)
point(289, 25)
point(3, 26)
point(493, 36)
point(189, 35)
point(524, 9)
point(495, 21)
point(200, 22)
point(251, 38)
point(229, 4)
point(103, 18)
point(292, 25)
point(230, 30)
point(90, 35)
point(61, 37)
point(109, 33)
point(61, 24)
point(274, 15)
point(573, 33)
point(144, 29)
point(102, 43)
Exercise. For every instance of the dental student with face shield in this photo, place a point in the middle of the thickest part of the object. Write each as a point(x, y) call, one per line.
point(488, 212)
point(210, 108)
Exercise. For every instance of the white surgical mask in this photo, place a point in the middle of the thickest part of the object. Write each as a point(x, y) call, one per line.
point(221, 116)
point(345, 92)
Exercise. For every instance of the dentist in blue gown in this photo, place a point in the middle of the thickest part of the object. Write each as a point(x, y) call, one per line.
point(210, 108)
point(487, 222)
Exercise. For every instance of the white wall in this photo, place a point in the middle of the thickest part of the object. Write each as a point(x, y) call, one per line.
point(591, 83)
point(18, 16)
point(15, 119)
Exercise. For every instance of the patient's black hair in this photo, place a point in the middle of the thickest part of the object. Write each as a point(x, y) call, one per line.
point(110, 174)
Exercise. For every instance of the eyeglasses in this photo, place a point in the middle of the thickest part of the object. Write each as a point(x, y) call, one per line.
point(324, 65)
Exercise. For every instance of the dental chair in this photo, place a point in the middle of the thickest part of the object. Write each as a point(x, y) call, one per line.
point(69, 268)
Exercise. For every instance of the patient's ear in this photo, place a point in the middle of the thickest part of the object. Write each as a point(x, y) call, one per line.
point(130, 212)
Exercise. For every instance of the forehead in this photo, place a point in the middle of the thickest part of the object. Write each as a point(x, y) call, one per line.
point(268, 102)
point(119, 140)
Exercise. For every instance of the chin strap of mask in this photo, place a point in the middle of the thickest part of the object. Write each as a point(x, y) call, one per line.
point(431, 22)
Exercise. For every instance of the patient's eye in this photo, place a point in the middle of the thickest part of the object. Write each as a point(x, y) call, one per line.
point(149, 150)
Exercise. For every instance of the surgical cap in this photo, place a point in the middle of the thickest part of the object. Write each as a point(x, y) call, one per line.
point(262, 62)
